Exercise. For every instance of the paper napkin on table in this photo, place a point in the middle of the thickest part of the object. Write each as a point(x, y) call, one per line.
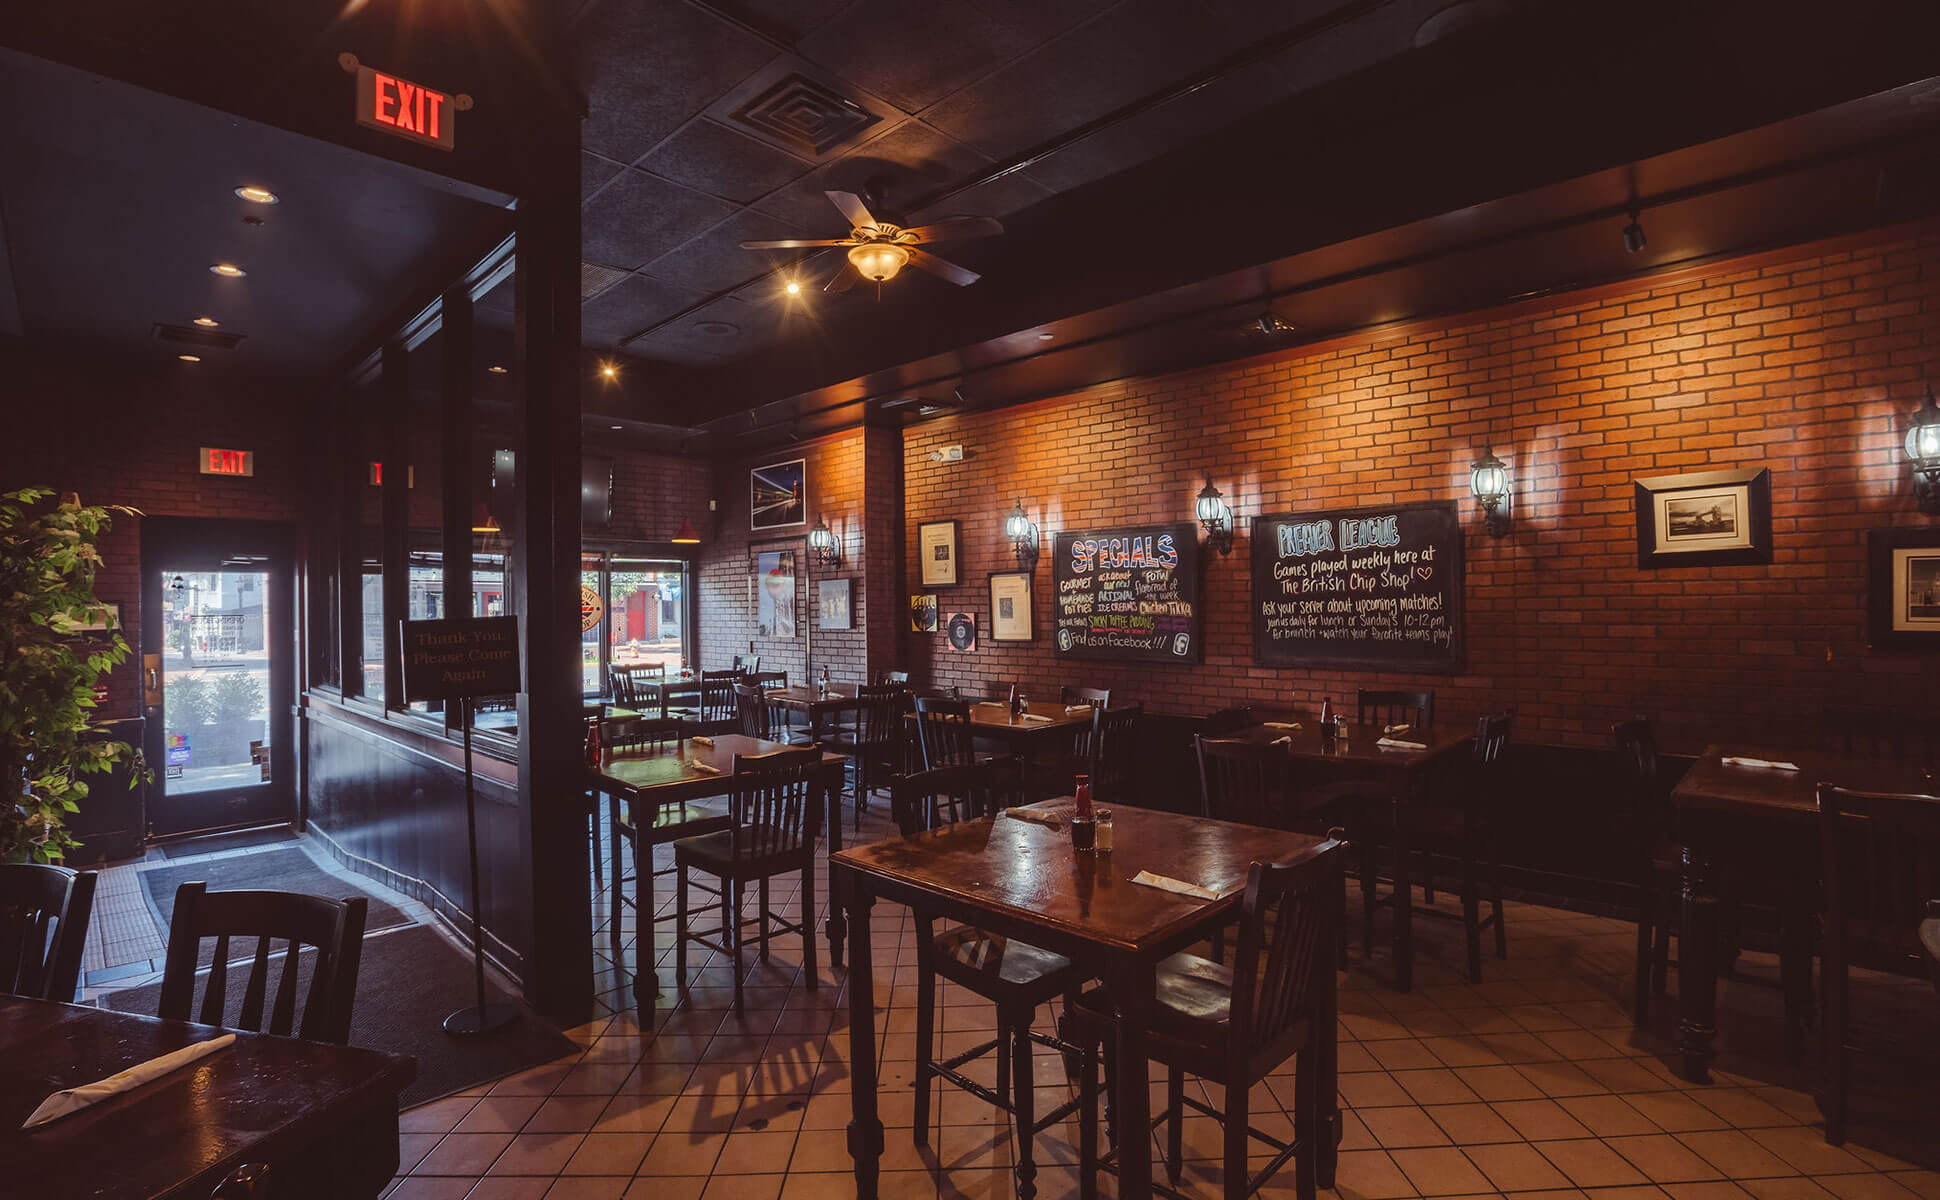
point(77, 1098)
point(1764, 763)
point(1394, 743)
point(1036, 816)
point(1392, 729)
point(705, 768)
point(1034, 717)
point(1168, 884)
point(1074, 709)
point(1282, 741)
point(701, 739)
point(1281, 724)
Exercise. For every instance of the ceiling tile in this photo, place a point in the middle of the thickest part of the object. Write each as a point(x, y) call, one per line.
point(1040, 20)
point(914, 54)
point(715, 262)
point(910, 161)
point(716, 159)
point(640, 217)
point(784, 20)
point(723, 330)
point(630, 306)
point(593, 171)
point(649, 67)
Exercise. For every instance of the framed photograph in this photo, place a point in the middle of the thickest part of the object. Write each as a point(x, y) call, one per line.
point(832, 604)
point(936, 550)
point(1010, 607)
point(1707, 519)
point(778, 495)
point(922, 614)
point(774, 593)
point(961, 629)
point(1903, 589)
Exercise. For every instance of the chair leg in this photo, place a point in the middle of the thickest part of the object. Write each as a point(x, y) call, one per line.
point(1646, 933)
point(1023, 1088)
point(1236, 1118)
point(1472, 915)
point(1175, 1090)
point(1833, 1022)
point(1003, 1057)
point(680, 924)
point(925, 1047)
point(761, 917)
point(1495, 907)
point(1367, 898)
point(731, 913)
point(808, 919)
point(1660, 965)
point(1110, 1060)
point(613, 891)
point(593, 839)
point(1308, 1125)
point(1088, 1121)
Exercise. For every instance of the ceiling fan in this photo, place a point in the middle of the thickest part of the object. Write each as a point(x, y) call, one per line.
point(878, 250)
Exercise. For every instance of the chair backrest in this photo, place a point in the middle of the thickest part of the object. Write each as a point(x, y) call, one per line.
point(1491, 735)
point(1283, 973)
point(44, 913)
point(1882, 865)
point(1872, 733)
point(766, 679)
point(943, 732)
point(745, 664)
point(636, 733)
point(1642, 781)
point(1113, 743)
point(1245, 782)
point(939, 692)
point(627, 681)
point(334, 928)
point(774, 805)
point(751, 706)
point(946, 795)
point(884, 678)
point(883, 706)
point(717, 695)
point(1379, 707)
point(1085, 695)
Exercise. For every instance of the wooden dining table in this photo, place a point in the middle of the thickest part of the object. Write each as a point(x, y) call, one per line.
point(322, 1117)
point(1410, 775)
point(815, 703)
point(1020, 879)
point(1744, 817)
point(694, 769)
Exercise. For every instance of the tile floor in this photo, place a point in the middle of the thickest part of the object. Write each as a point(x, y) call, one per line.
point(1529, 1084)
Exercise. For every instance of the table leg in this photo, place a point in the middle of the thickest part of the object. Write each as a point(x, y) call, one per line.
point(1132, 987)
point(837, 926)
point(1404, 892)
point(1329, 1128)
point(865, 1129)
point(1697, 962)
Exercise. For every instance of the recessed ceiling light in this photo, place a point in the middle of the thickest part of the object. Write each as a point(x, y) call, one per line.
point(1045, 337)
point(257, 195)
point(190, 357)
point(794, 288)
point(228, 270)
point(496, 369)
point(616, 428)
point(609, 371)
point(207, 322)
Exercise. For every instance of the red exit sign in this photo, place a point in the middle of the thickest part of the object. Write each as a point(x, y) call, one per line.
point(410, 110)
point(227, 462)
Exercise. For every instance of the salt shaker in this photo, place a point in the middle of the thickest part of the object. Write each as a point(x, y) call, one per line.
point(1101, 837)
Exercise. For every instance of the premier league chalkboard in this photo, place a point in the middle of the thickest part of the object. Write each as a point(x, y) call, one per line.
point(1363, 587)
point(1130, 595)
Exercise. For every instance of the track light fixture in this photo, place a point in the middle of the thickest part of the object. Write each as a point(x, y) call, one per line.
point(1633, 233)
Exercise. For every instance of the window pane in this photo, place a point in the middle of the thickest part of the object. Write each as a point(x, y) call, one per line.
point(424, 482)
point(215, 680)
point(370, 539)
point(590, 682)
point(645, 613)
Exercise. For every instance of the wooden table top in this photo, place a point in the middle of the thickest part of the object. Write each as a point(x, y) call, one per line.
point(840, 695)
point(1362, 745)
point(1763, 791)
point(672, 766)
point(1032, 874)
point(995, 715)
point(180, 1134)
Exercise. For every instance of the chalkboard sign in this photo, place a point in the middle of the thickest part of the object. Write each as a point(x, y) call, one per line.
point(461, 656)
point(1362, 587)
point(1128, 594)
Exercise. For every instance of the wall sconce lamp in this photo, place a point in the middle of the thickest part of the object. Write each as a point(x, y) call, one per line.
point(822, 540)
point(1215, 517)
point(1022, 532)
point(1488, 478)
point(1923, 449)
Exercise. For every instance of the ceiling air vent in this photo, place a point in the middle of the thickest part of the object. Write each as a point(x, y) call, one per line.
point(594, 279)
point(805, 116)
point(208, 339)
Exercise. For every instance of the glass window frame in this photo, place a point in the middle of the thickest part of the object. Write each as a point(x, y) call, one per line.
point(649, 552)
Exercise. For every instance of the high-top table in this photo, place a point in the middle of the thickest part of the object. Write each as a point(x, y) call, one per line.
point(672, 774)
point(323, 1117)
point(1409, 772)
point(1739, 814)
point(1024, 880)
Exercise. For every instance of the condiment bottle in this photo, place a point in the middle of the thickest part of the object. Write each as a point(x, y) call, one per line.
point(1327, 721)
point(593, 746)
point(825, 679)
point(1102, 837)
point(1016, 702)
point(1084, 795)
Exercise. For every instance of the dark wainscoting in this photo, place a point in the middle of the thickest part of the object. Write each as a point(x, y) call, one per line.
point(389, 801)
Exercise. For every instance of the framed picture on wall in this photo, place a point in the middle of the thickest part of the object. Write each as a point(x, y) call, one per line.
point(778, 495)
point(832, 604)
point(937, 551)
point(1903, 589)
point(1010, 606)
point(922, 613)
point(1706, 519)
point(774, 593)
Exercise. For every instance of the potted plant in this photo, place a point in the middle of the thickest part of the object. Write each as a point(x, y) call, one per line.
point(56, 642)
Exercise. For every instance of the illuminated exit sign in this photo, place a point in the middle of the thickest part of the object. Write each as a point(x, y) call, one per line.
point(410, 110)
point(227, 462)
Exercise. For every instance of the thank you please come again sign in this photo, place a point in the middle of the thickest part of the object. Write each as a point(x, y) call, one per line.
point(1365, 587)
point(1130, 594)
point(464, 656)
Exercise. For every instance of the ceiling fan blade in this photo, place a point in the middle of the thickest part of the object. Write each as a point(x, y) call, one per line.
point(957, 227)
point(796, 243)
point(853, 209)
point(961, 276)
point(842, 280)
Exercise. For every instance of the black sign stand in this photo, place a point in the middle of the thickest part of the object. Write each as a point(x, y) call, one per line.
point(484, 1016)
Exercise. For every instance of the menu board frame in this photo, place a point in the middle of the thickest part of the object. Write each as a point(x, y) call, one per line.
point(1450, 552)
point(1190, 570)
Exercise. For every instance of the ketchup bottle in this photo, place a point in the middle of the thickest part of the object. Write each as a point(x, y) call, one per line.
point(593, 746)
point(1084, 796)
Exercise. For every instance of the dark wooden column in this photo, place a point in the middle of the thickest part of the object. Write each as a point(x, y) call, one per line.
point(455, 445)
point(350, 555)
point(394, 424)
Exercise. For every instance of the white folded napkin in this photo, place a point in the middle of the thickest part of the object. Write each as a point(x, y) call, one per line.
point(1391, 729)
point(1074, 709)
point(77, 1098)
point(705, 768)
point(1036, 816)
point(701, 739)
point(1282, 741)
point(1167, 884)
point(1393, 743)
point(1035, 717)
point(1281, 724)
point(1761, 763)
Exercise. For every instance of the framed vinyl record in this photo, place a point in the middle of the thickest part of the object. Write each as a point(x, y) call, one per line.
point(961, 629)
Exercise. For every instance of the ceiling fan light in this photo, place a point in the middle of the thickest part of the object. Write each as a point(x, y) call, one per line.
point(878, 262)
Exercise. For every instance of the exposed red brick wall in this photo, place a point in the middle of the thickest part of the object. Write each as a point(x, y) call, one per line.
point(1802, 361)
point(123, 436)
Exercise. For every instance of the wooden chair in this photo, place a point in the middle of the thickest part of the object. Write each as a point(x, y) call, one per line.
point(1015, 977)
point(745, 664)
point(1102, 752)
point(1100, 697)
point(335, 928)
point(1378, 707)
point(1237, 1025)
point(875, 747)
point(1655, 853)
point(751, 709)
point(716, 711)
point(885, 678)
point(775, 817)
point(1246, 783)
point(1231, 720)
point(44, 914)
point(943, 732)
point(1881, 868)
point(627, 692)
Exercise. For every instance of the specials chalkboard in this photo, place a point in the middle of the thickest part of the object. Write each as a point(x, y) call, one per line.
point(1131, 594)
point(1362, 587)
